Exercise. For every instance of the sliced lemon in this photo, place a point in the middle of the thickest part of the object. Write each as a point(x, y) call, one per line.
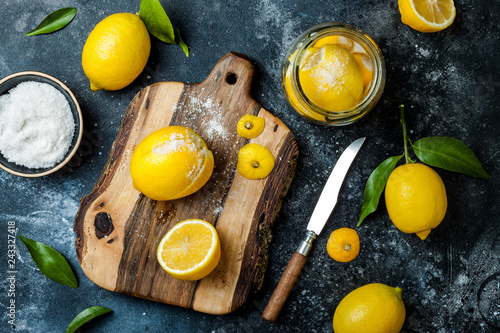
point(331, 78)
point(427, 15)
point(366, 67)
point(190, 250)
point(345, 42)
point(292, 98)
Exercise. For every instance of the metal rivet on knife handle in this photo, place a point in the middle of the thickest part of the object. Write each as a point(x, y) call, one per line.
point(306, 245)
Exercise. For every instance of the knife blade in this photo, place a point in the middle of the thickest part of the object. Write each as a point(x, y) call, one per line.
point(322, 211)
point(330, 193)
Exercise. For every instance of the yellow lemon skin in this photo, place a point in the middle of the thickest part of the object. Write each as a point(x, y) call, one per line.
point(332, 79)
point(116, 52)
point(250, 126)
point(171, 163)
point(366, 68)
point(415, 198)
point(255, 161)
point(372, 308)
point(292, 94)
point(427, 15)
point(343, 245)
point(190, 250)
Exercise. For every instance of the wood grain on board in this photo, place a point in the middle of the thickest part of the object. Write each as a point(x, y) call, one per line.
point(118, 229)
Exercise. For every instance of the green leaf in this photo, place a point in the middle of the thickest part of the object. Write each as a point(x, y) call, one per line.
point(85, 316)
point(181, 42)
point(375, 185)
point(50, 262)
point(54, 21)
point(449, 154)
point(157, 21)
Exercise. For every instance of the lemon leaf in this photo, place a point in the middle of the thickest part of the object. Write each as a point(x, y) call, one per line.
point(449, 154)
point(181, 42)
point(50, 262)
point(54, 21)
point(156, 20)
point(85, 316)
point(375, 185)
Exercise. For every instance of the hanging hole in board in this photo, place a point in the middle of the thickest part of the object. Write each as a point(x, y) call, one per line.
point(231, 78)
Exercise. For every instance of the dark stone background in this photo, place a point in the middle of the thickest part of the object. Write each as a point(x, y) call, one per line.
point(449, 82)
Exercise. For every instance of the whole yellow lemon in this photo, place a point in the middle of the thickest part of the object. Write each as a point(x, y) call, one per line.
point(415, 198)
point(171, 163)
point(372, 308)
point(116, 52)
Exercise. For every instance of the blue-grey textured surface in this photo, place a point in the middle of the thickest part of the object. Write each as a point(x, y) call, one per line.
point(449, 82)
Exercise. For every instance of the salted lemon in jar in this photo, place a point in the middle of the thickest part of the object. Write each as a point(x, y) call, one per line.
point(333, 74)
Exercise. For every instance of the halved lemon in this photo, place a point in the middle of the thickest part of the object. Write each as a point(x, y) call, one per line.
point(190, 250)
point(427, 15)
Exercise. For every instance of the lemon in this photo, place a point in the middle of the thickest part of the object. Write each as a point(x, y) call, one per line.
point(345, 42)
point(359, 53)
point(116, 52)
point(415, 197)
point(254, 161)
point(291, 92)
point(372, 308)
point(366, 67)
point(343, 245)
point(427, 15)
point(250, 126)
point(190, 250)
point(171, 163)
point(331, 78)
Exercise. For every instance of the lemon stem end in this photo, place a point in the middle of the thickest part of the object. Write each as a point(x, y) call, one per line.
point(94, 88)
point(398, 292)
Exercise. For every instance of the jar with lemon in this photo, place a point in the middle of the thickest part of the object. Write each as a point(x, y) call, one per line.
point(333, 74)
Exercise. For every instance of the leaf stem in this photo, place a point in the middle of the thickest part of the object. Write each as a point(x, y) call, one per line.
point(405, 134)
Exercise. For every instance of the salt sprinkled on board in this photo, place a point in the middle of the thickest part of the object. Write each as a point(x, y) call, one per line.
point(213, 126)
point(36, 125)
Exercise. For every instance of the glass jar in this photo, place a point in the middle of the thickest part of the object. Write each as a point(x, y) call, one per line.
point(303, 55)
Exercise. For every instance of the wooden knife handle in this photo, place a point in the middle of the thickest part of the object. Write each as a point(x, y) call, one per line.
point(284, 287)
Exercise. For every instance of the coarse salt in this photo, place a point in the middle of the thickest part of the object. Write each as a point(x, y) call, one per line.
point(36, 125)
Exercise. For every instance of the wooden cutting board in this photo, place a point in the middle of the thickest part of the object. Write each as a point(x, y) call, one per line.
point(118, 229)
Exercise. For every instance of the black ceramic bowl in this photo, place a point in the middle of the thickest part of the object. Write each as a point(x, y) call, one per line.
point(13, 80)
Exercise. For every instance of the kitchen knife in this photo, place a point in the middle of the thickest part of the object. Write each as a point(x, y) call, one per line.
point(319, 217)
